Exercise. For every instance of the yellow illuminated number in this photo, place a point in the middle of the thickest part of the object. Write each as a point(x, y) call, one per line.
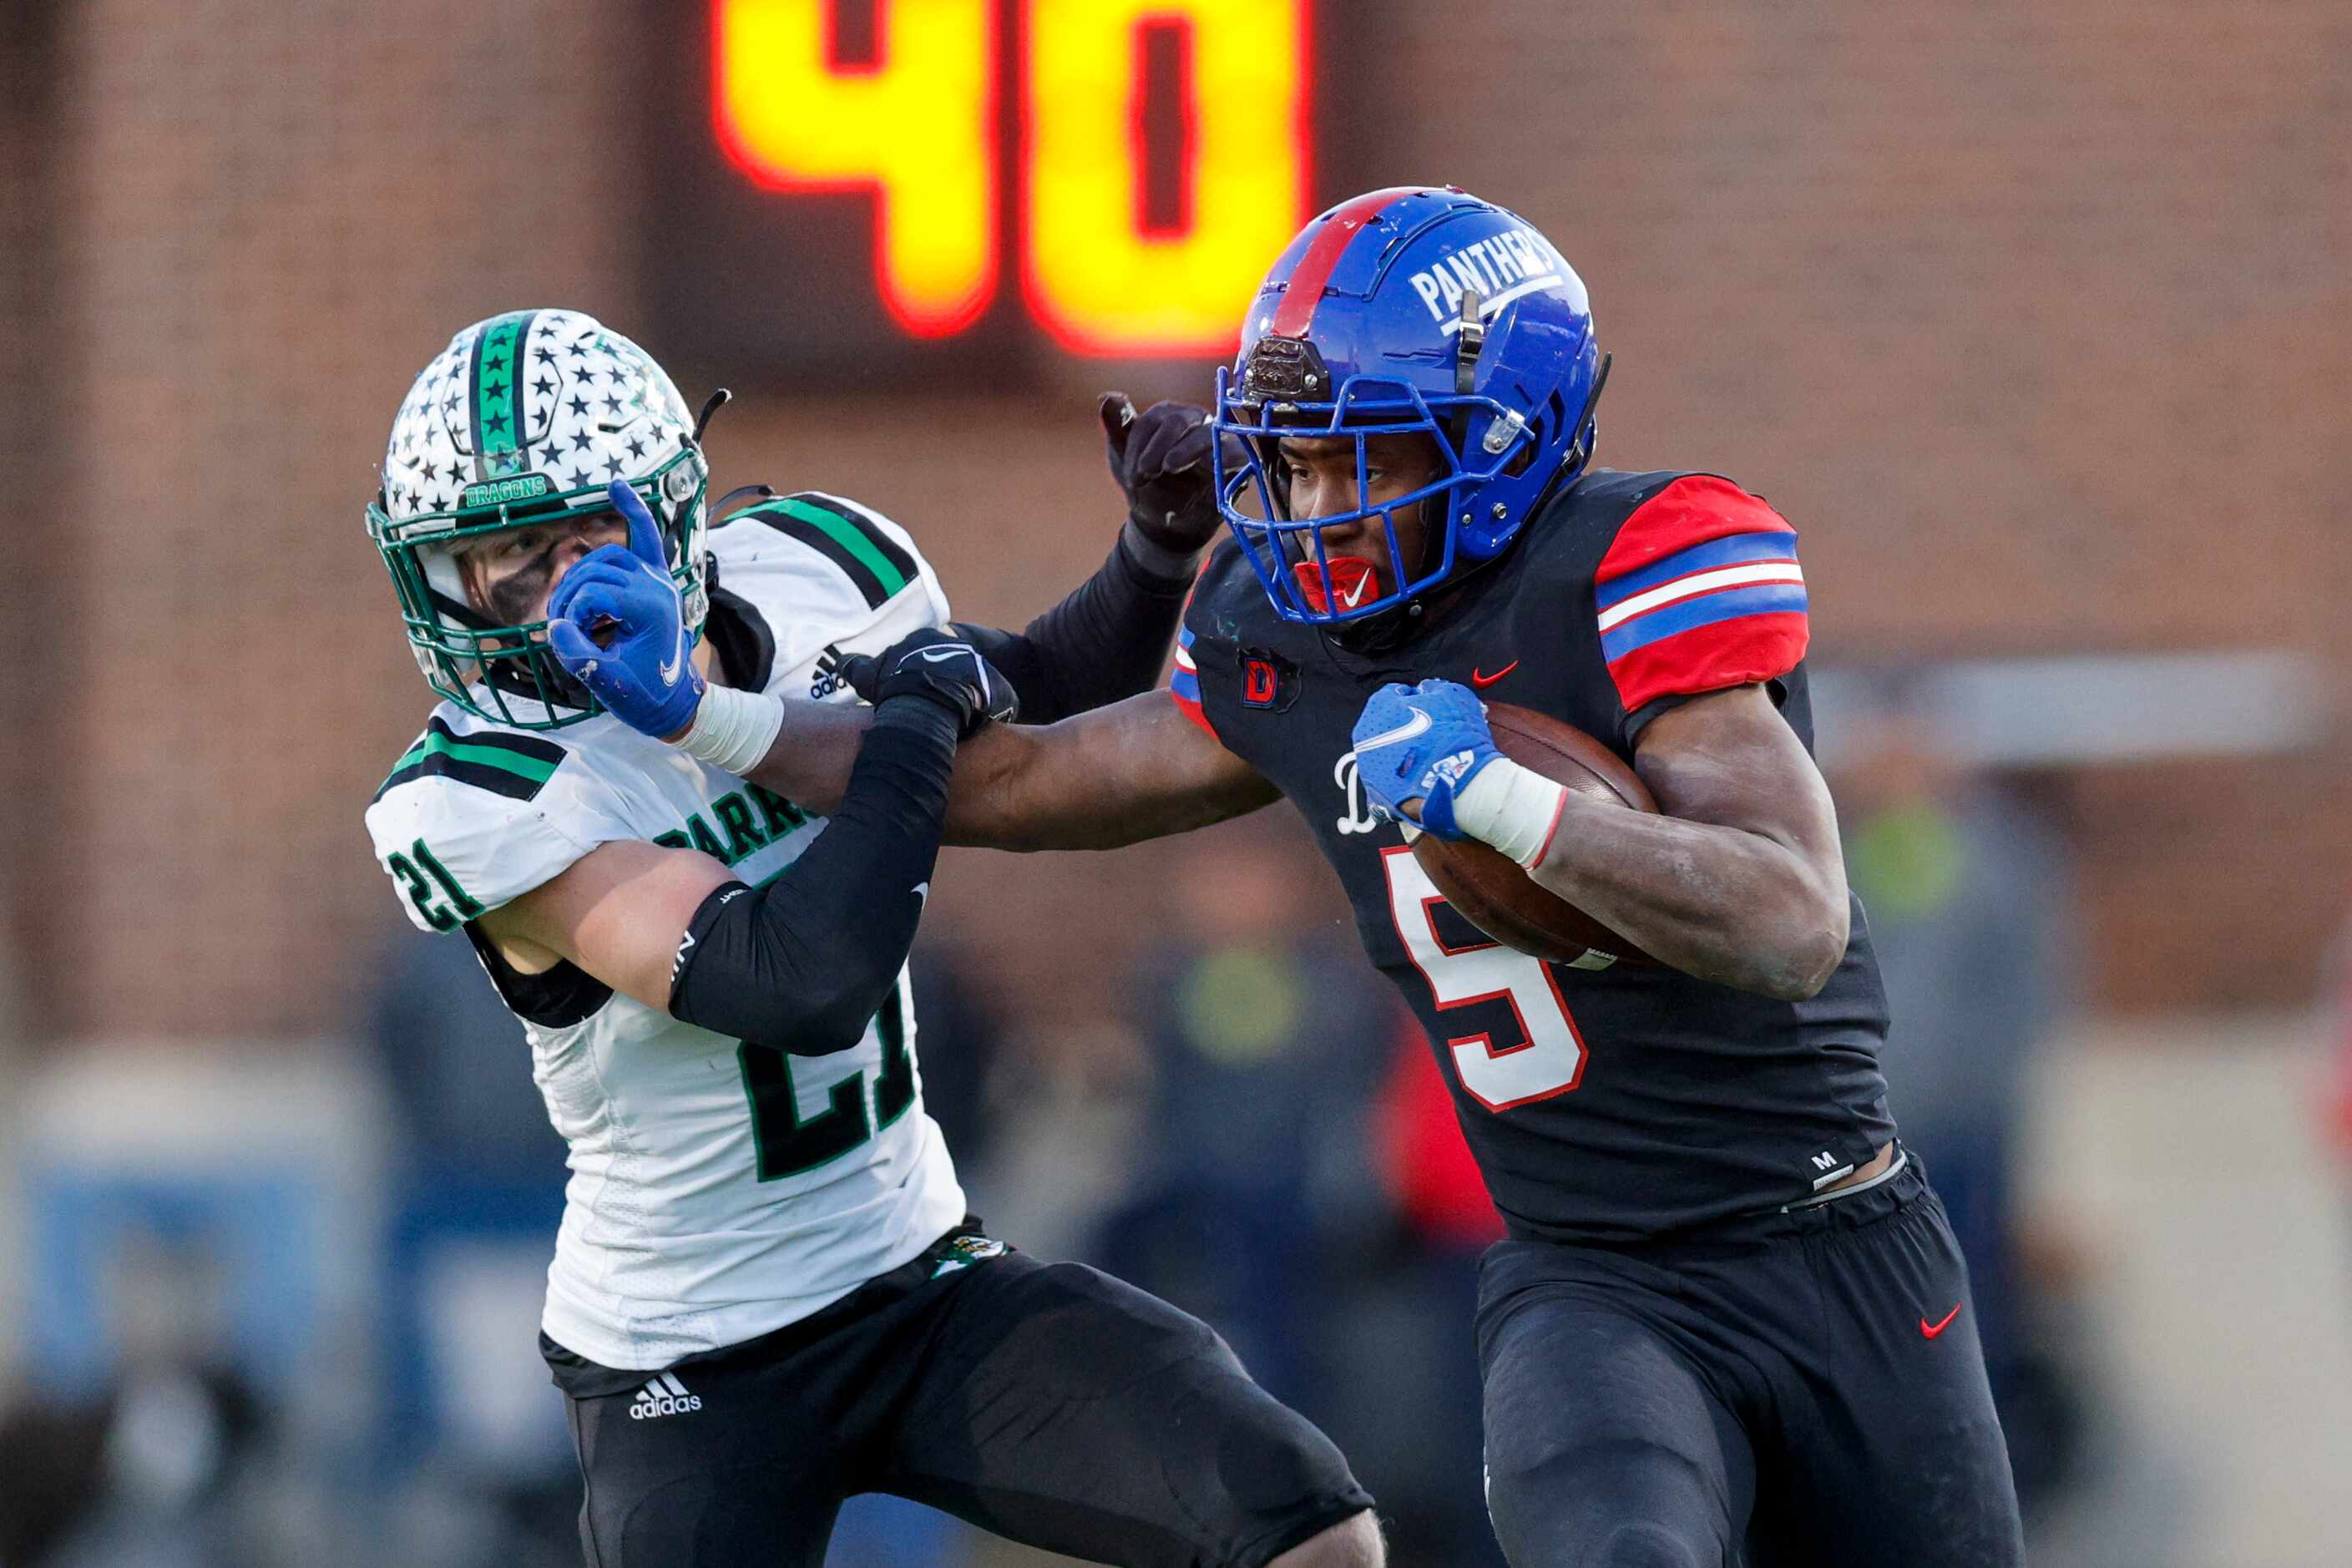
point(1093, 277)
point(918, 127)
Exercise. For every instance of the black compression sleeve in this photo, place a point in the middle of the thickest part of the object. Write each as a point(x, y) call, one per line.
point(1106, 641)
point(803, 962)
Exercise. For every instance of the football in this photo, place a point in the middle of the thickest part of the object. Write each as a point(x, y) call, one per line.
point(1489, 887)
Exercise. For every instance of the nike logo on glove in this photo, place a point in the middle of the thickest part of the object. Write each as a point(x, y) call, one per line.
point(1420, 721)
point(676, 666)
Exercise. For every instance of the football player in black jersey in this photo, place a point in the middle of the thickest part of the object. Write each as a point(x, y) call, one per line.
point(1730, 1322)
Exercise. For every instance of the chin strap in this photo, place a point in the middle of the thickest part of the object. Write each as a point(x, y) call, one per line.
point(1580, 452)
point(1471, 339)
point(740, 492)
point(720, 398)
point(1466, 344)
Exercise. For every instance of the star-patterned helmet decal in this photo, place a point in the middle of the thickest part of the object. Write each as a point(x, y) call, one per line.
point(534, 406)
point(549, 392)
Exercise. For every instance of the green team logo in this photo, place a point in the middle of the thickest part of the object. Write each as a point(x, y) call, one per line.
point(966, 1250)
point(497, 492)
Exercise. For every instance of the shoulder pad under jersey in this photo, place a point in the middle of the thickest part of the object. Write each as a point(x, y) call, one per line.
point(474, 815)
point(821, 569)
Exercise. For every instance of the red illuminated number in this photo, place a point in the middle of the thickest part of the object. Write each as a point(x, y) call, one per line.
point(1548, 1057)
point(918, 128)
point(1092, 277)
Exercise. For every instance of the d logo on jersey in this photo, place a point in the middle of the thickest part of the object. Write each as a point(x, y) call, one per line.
point(1257, 684)
point(1268, 681)
point(1359, 818)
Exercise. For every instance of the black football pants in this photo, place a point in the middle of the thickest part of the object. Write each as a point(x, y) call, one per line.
point(1048, 1403)
point(1805, 1388)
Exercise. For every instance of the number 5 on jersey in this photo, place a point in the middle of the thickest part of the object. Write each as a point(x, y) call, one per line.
point(1548, 1057)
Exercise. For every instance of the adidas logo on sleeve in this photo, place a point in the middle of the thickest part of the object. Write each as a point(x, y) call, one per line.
point(665, 1396)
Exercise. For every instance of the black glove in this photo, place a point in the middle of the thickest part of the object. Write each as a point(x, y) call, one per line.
point(937, 664)
point(1160, 459)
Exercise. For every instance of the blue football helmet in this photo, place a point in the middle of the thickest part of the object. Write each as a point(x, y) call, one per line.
point(1409, 310)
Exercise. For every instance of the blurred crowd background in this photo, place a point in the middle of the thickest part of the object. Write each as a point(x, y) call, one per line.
point(2035, 318)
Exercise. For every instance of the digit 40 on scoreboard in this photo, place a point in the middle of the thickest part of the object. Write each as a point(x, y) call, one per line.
point(933, 121)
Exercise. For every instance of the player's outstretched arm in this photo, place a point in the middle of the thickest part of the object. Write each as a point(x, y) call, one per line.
point(1108, 639)
point(1739, 879)
point(1136, 770)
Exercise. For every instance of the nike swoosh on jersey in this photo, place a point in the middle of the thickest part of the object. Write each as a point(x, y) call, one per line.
point(1415, 725)
point(1483, 681)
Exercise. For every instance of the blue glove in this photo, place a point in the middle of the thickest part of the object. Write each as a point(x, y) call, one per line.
point(1421, 743)
point(644, 671)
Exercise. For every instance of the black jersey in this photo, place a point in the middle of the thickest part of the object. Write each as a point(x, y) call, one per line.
point(1602, 1103)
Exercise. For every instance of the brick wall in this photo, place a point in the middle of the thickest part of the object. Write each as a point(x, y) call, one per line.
point(28, 439)
point(274, 215)
point(2034, 317)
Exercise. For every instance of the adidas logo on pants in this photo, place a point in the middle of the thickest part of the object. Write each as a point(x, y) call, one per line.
point(665, 1396)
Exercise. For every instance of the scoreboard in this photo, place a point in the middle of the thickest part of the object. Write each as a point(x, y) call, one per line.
point(880, 186)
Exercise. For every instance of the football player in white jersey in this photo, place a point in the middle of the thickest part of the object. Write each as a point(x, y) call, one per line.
point(766, 1295)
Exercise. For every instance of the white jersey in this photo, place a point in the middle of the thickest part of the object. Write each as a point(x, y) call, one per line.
point(719, 1189)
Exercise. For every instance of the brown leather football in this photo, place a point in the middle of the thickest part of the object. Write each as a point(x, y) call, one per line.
point(1489, 887)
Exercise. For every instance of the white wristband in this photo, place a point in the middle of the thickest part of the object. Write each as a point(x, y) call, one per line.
point(1511, 808)
point(733, 730)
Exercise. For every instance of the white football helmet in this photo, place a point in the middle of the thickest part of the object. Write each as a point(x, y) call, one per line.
point(528, 414)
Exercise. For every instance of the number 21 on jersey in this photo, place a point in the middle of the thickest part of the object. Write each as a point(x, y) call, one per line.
point(786, 1141)
point(1547, 1058)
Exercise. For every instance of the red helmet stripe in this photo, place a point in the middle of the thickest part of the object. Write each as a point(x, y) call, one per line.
point(1322, 257)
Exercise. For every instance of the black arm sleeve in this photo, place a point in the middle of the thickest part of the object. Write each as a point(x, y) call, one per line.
point(1106, 641)
point(803, 962)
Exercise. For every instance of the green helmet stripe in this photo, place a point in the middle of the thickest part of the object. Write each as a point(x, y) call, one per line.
point(497, 410)
point(503, 430)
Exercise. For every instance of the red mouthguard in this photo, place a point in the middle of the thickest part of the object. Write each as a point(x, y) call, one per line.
point(1352, 581)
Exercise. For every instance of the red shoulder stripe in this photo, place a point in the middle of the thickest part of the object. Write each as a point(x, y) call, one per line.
point(1693, 510)
point(1699, 591)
